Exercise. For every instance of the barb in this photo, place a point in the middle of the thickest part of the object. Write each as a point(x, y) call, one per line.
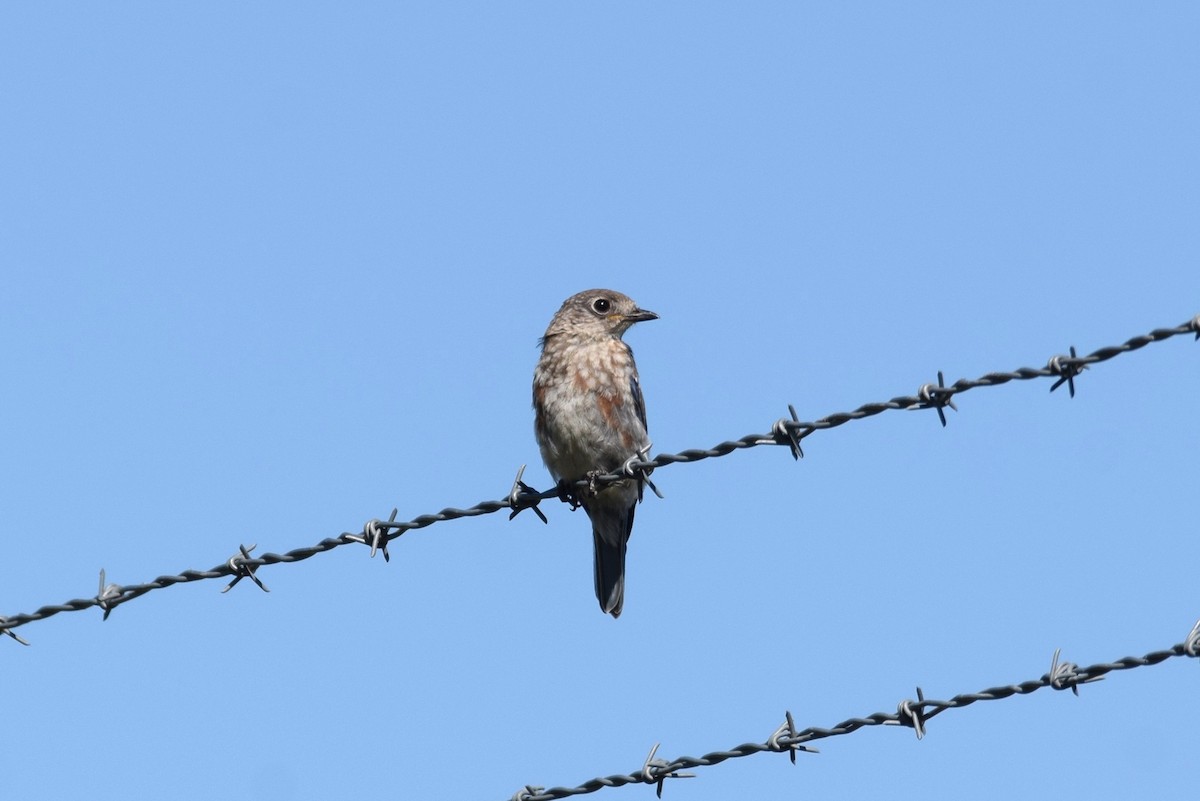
point(938, 398)
point(523, 497)
point(656, 771)
point(109, 596)
point(785, 432)
point(5, 630)
point(243, 567)
point(1067, 674)
point(913, 714)
point(789, 434)
point(786, 738)
point(374, 533)
point(1068, 368)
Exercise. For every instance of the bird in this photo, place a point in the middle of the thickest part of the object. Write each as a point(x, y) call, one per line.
point(590, 418)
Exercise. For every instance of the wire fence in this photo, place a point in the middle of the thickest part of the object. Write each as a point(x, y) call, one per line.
point(788, 432)
point(913, 714)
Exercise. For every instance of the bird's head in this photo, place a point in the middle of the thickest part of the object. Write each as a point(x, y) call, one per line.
point(597, 313)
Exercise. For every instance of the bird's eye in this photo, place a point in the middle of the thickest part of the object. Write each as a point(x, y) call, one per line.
point(601, 305)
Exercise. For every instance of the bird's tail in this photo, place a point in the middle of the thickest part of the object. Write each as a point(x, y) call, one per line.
point(611, 526)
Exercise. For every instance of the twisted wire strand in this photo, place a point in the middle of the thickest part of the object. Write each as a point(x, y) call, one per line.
point(787, 432)
point(913, 714)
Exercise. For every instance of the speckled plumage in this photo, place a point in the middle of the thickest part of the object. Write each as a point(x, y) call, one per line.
point(589, 416)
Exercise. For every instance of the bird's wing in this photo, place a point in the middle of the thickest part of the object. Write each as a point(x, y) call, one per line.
point(639, 405)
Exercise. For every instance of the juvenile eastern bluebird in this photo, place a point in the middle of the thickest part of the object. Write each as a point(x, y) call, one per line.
point(590, 417)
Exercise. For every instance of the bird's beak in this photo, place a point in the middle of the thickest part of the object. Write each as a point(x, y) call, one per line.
point(640, 316)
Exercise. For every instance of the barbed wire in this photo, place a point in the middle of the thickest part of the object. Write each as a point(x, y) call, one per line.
point(913, 714)
point(789, 432)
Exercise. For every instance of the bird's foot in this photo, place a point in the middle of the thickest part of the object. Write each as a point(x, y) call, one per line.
point(567, 494)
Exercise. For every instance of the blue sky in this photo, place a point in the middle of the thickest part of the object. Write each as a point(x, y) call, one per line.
point(270, 271)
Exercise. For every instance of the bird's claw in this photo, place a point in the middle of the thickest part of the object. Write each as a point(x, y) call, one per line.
point(567, 494)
